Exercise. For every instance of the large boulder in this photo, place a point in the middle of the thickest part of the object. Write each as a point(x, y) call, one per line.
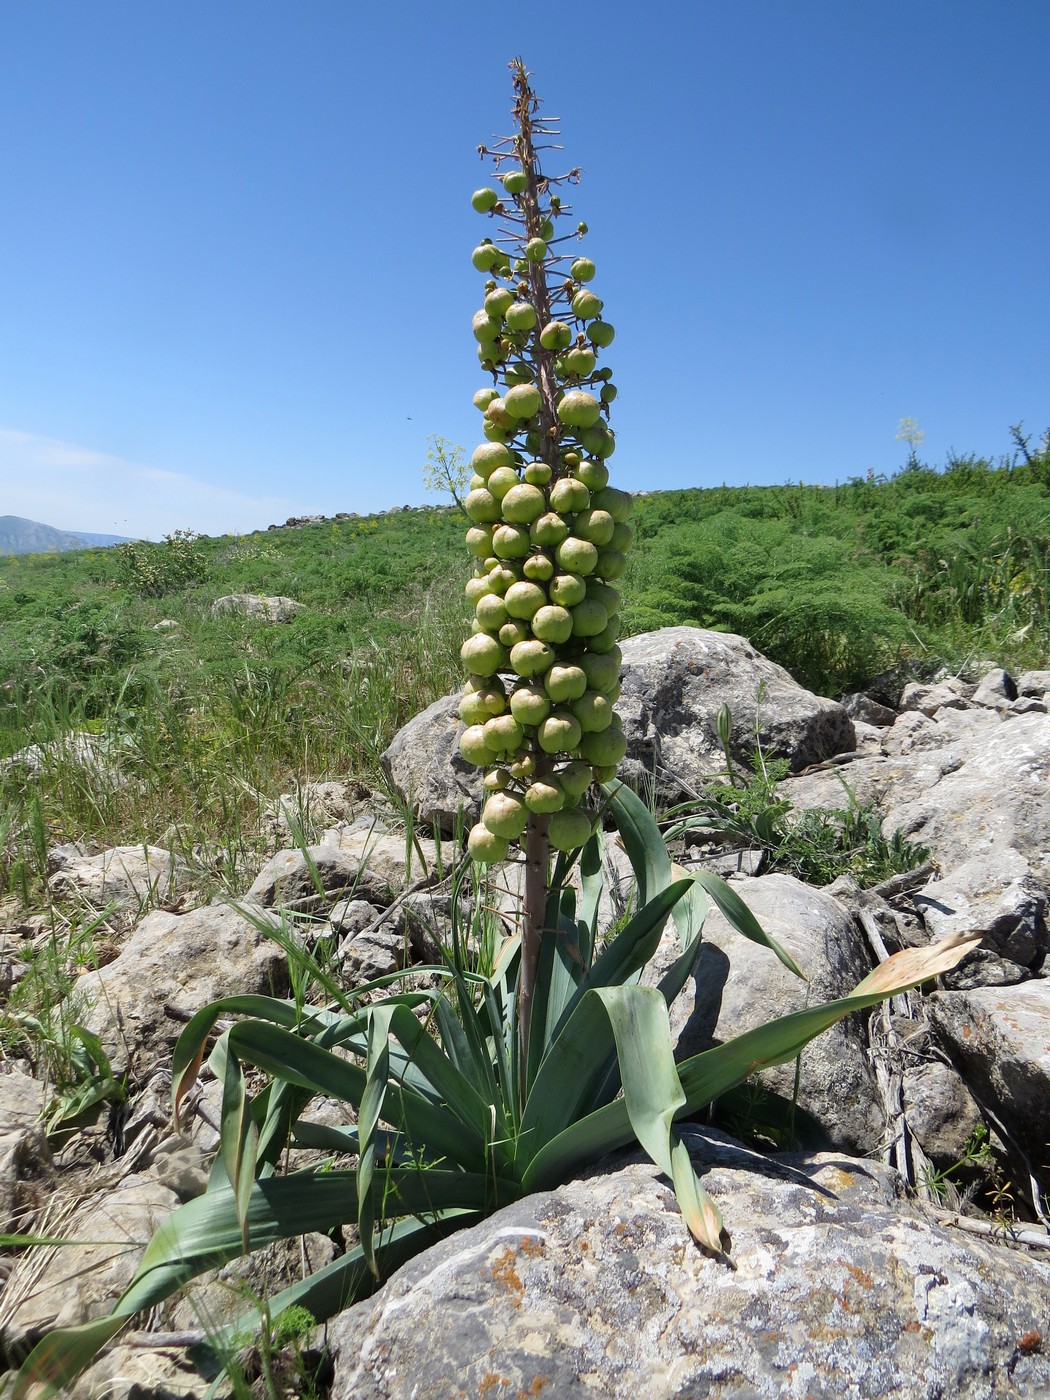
point(738, 985)
point(426, 767)
point(256, 608)
point(840, 1288)
point(674, 683)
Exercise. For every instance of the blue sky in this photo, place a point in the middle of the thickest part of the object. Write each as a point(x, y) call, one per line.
point(236, 241)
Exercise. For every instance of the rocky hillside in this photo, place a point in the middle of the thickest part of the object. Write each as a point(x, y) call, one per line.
point(889, 1235)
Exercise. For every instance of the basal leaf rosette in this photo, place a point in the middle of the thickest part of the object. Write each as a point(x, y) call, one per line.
point(549, 534)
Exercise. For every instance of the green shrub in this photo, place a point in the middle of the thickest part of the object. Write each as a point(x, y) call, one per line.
point(152, 570)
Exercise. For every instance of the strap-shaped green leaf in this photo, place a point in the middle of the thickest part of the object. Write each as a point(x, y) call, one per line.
point(641, 840)
point(238, 1141)
point(740, 917)
point(653, 1096)
point(377, 1077)
point(432, 1127)
point(713, 1071)
point(57, 1360)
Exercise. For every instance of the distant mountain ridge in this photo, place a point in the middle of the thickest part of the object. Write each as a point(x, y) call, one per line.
point(20, 536)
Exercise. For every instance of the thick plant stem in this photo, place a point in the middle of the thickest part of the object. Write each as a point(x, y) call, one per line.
point(537, 858)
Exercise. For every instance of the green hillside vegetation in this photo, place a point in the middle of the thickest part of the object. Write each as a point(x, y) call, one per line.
point(208, 720)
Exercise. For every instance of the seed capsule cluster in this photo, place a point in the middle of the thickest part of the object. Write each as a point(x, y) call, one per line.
point(549, 534)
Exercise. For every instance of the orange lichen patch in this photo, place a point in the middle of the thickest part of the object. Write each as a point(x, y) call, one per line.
point(490, 1382)
point(861, 1275)
point(1030, 1342)
point(538, 1383)
point(505, 1274)
point(531, 1248)
point(836, 1179)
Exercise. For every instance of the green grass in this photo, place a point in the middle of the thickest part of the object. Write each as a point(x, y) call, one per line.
point(207, 721)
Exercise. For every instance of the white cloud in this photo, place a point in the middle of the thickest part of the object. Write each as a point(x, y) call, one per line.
point(77, 488)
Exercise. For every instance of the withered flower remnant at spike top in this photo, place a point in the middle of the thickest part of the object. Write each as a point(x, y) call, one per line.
point(547, 536)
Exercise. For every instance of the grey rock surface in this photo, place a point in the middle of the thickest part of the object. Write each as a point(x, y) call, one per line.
point(940, 1110)
point(863, 707)
point(25, 1159)
point(131, 877)
point(738, 985)
point(994, 895)
point(1033, 684)
point(62, 1286)
point(951, 693)
point(141, 1373)
point(968, 784)
point(999, 1037)
point(425, 766)
point(97, 754)
point(995, 688)
point(287, 879)
point(674, 683)
point(256, 607)
point(312, 807)
point(840, 1290)
point(169, 968)
point(383, 856)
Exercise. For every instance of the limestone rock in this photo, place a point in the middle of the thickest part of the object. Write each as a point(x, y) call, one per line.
point(425, 766)
point(132, 877)
point(993, 895)
point(142, 1373)
point(674, 683)
point(25, 1160)
point(169, 968)
point(384, 855)
point(999, 1037)
point(288, 879)
point(256, 608)
point(863, 707)
point(97, 754)
point(940, 1111)
point(996, 688)
point(950, 694)
point(840, 1289)
point(313, 807)
point(738, 985)
point(1033, 684)
point(967, 784)
point(66, 1285)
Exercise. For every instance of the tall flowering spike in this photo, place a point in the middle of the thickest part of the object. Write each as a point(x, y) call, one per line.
point(549, 534)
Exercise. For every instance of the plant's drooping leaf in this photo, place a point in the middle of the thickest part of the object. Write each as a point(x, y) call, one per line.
point(653, 1095)
point(707, 1075)
point(701, 1215)
point(641, 840)
point(915, 965)
point(733, 908)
